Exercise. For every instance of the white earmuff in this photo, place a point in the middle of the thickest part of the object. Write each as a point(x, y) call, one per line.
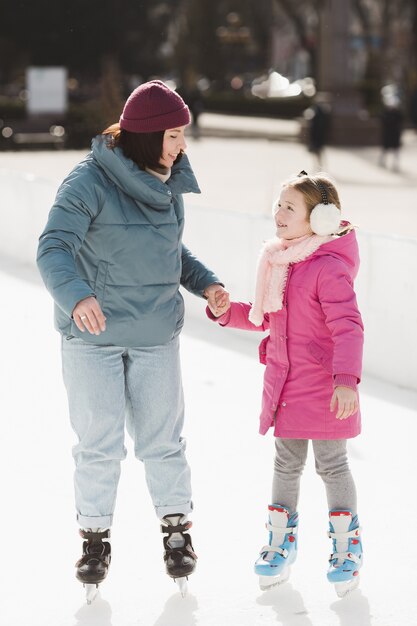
point(325, 219)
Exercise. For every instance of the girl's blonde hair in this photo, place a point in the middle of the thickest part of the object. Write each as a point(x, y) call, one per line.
point(310, 187)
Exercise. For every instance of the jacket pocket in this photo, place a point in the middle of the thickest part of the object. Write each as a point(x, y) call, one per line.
point(100, 283)
point(262, 349)
point(322, 356)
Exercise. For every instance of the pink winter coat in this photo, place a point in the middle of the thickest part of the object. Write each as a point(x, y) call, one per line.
point(317, 335)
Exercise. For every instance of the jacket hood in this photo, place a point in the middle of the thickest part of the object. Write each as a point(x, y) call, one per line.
point(343, 247)
point(138, 184)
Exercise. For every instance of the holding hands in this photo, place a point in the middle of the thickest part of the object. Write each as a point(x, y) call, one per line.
point(218, 299)
point(87, 314)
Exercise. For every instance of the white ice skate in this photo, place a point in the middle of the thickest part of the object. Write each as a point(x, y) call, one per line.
point(273, 565)
point(346, 559)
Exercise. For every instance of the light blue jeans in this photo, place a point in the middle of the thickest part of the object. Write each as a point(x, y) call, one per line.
point(106, 384)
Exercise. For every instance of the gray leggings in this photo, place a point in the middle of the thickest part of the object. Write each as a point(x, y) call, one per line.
point(331, 464)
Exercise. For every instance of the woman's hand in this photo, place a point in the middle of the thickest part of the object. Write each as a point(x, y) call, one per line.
point(88, 315)
point(218, 299)
point(346, 400)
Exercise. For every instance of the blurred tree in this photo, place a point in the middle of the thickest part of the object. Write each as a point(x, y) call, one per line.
point(220, 39)
point(111, 93)
point(303, 15)
point(197, 51)
point(414, 29)
point(80, 34)
point(387, 37)
point(385, 30)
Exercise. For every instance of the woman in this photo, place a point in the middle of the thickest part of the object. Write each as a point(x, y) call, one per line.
point(112, 257)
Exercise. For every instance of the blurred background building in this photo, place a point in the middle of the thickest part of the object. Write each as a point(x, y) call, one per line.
point(255, 57)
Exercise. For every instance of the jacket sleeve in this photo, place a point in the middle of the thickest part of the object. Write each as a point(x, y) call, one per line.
point(68, 222)
point(342, 317)
point(195, 276)
point(238, 317)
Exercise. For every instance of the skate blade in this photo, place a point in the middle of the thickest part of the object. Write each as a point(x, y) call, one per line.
point(343, 589)
point(182, 585)
point(269, 582)
point(91, 592)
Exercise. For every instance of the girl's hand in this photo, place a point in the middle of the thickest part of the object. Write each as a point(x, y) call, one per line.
point(88, 315)
point(346, 400)
point(218, 299)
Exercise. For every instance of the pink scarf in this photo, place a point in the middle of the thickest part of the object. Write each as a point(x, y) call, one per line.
point(272, 272)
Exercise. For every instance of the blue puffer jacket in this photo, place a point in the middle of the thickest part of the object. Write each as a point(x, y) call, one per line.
point(115, 232)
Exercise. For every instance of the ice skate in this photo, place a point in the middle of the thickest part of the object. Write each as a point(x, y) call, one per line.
point(273, 565)
point(93, 566)
point(346, 559)
point(180, 558)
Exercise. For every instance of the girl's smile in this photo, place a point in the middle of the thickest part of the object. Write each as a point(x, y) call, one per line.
point(292, 219)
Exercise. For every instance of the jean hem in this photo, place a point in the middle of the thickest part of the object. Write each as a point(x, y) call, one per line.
point(170, 509)
point(99, 521)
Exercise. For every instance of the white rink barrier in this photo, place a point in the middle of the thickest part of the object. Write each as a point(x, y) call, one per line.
point(229, 242)
point(24, 207)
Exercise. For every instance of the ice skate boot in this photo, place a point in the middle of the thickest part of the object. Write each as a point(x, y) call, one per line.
point(346, 559)
point(93, 566)
point(180, 558)
point(273, 565)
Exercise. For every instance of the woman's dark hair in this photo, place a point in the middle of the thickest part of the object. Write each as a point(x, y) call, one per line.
point(145, 149)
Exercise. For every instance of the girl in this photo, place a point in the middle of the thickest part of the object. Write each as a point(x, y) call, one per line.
point(113, 259)
point(313, 354)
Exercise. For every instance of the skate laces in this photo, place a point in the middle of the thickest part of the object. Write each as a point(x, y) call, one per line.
point(185, 550)
point(175, 526)
point(94, 548)
point(94, 534)
point(178, 543)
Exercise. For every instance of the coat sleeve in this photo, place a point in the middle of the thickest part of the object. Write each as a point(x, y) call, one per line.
point(68, 222)
point(238, 317)
point(195, 276)
point(342, 317)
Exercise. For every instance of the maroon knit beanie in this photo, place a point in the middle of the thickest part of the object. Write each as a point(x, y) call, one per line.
point(153, 106)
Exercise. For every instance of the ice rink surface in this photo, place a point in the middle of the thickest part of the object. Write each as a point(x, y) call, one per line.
point(231, 467)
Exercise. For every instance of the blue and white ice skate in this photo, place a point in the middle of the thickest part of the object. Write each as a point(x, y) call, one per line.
point(273, 565)
point(346, 559)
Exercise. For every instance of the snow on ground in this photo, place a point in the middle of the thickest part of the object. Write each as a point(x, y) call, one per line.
point(232, 467)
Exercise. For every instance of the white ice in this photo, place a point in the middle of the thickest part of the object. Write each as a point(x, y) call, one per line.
point(231, 468)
